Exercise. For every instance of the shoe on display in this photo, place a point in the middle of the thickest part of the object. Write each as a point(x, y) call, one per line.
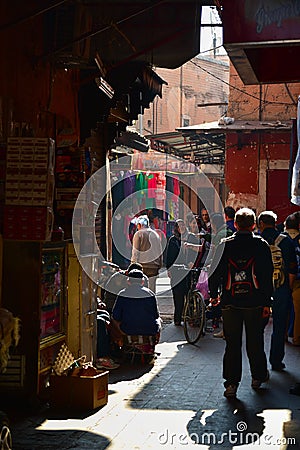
point(220, 334)
point(230, 391)
point(256, 384)
point(106, 363)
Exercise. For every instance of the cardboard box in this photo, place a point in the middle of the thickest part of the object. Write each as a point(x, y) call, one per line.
point(36, 222)
point(81, 393)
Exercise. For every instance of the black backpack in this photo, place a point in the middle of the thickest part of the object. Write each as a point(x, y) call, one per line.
point(241, 279)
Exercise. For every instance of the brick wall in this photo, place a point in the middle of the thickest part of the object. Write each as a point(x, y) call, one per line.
point(194, 83)
point(262, 102)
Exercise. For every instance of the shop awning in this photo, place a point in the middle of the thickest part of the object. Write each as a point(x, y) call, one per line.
point(134, 85)
point(138, 80)
point(206, 143)
point(207, 147)
point(164, 33)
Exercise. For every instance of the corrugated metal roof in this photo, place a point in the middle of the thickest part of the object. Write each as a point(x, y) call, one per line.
point(237, 125)
point(206, 148)
point(205, 143)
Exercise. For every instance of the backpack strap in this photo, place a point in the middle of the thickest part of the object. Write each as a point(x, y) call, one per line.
point(250, 261)
point(279, 238)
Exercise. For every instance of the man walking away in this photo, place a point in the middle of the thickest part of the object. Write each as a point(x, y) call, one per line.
point(242, 271)
point(147, 250)
point(229, 213)
point(292, 229)
point(285, 270)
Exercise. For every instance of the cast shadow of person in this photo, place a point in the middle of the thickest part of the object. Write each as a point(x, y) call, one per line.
point(227, 427)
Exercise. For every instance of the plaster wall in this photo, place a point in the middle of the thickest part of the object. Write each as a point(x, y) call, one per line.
point(201, 81)
point(251, 158)
point(268, 102)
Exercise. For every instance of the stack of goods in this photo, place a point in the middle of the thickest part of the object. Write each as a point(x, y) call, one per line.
point(72, 168)
point(2, 182)
point(29, 188)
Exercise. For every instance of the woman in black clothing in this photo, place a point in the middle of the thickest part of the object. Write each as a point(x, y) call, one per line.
point(177, 253)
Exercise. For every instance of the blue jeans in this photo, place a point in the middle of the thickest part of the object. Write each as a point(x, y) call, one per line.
point(280, 313)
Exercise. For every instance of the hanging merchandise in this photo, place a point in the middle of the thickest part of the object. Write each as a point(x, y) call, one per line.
point(140, 187)
point(129, 184)
point(160, 162)
point(176, 188)
point(295, 188)
point(151, 179)
point(117, 188)
point(161, 191)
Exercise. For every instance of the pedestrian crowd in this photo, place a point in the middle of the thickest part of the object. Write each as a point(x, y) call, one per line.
point(253, 273)
point(253, 276)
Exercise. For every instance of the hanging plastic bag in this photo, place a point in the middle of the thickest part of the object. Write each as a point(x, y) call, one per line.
point(202, 284)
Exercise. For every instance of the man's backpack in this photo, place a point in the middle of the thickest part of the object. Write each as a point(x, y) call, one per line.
point(278, 262)
point(241, 279)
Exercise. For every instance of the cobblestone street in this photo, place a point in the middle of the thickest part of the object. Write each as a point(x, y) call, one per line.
point(176, 403)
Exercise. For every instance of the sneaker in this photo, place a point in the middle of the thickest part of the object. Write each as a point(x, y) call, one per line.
point(106, 363)
point(256, 384)
point(230, 391)
point(220, 334)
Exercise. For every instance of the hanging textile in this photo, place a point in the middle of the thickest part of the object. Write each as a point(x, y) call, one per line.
point(295, 187)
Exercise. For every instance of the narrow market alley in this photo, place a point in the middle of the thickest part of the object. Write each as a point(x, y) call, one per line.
point(176, 403)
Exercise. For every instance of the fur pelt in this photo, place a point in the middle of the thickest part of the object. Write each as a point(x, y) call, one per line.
point(9, 335)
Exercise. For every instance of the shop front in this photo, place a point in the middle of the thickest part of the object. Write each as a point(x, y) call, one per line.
point(261, 38)
point(69, 85)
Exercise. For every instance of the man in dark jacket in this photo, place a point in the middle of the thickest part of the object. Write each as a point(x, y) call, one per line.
point(135, 310)
point(179, 255)
point(283, 294)
point(229, 213)
point(242, 272)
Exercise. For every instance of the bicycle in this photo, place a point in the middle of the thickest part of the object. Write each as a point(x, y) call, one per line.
point(194, 310)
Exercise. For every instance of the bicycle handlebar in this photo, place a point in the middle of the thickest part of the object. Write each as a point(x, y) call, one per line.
point(184, 267)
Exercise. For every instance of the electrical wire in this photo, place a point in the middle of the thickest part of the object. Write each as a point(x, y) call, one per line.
point(211, 49)
point(290, 95)
point(32, 15)
point(240, 90)
point(248, 113)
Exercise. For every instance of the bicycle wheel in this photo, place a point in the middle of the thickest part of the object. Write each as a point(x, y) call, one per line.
point(5, 434)
point(193, 316)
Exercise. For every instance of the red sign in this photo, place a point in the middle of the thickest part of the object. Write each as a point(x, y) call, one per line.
point(249, 21)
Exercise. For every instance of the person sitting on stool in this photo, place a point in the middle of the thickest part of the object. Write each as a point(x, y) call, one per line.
point(135, 311)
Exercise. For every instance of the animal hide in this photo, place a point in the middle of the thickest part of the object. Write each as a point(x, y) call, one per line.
point(9, 335)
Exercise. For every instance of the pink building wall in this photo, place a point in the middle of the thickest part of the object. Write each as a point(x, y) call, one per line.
point(203, 80)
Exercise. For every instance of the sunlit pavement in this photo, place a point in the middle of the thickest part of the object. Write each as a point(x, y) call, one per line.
point(177, 403)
